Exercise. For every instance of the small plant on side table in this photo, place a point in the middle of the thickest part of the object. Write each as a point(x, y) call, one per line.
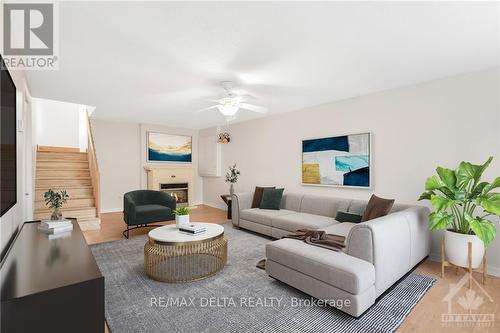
point(232, 177)
point(54, 200)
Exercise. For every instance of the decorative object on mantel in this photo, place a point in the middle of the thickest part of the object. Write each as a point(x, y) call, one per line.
point(181, 216)
point(462, 204)
point(224, 137)
point(169, 148)
point(232, 177)
point(337, 161)
point(54, 200)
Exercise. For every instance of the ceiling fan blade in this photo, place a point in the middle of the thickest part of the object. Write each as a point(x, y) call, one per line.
point(206, 109)
point(214, 100)
point(246, 97)
point(254, 108)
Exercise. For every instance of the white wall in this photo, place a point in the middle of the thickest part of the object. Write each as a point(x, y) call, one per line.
point(121, 153)
point(60, 124)
point(414, 129)
point(118, 156)
point(13, 218)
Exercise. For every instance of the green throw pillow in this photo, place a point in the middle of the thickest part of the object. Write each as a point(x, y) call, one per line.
point(348, 217)
point(271, 198)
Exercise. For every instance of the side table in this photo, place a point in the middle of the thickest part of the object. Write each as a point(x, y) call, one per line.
point(227, 200)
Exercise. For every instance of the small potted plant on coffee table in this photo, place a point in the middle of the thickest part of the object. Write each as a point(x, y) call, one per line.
point(462, 206)
point(181, 216)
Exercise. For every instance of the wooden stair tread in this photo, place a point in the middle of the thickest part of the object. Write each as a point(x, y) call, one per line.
point(41, 152)
point(47, 160)
point(73, 187)
point(61, 177)
point(64, 169)
point(66, 209)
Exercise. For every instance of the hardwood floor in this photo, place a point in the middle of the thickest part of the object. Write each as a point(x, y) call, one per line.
point(112, 224)
point(425, 317)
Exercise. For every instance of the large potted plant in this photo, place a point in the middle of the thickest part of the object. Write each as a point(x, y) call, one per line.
point(54, 200)
point(462, 204)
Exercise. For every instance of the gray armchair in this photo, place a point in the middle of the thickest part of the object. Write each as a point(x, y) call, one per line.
point(142, 207)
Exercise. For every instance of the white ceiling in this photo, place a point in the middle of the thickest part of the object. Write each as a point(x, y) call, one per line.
point(158, 62)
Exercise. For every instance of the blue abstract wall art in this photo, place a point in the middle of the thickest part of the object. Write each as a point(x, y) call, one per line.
point(337, 161)
point(169, 148)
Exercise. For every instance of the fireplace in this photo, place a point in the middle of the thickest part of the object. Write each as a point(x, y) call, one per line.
point(178, 191)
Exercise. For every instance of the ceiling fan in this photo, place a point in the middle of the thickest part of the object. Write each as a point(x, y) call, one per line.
point(231, 102)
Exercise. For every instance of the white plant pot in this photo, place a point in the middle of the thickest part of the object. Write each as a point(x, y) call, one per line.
point(456, 249)
point(181, 220)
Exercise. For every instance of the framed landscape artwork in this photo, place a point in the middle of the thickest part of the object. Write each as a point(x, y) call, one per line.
point(337, 161)
point(169, 148)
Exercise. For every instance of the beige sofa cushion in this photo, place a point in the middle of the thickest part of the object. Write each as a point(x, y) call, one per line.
point(294, 222)
point(334, 268)
point(291, 201)
point(263, 216)
point(323, 205)
point(341, 229)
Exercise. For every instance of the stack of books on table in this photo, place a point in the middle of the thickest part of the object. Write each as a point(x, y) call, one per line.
point(56, 227)
point(193, 229)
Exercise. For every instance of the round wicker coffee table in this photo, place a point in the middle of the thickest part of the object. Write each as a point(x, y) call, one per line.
point(174, 256)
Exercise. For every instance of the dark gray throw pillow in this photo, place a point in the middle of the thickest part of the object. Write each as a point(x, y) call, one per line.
point(257, 195)
point(348, 217)
point(271, 198)
point(377, 207)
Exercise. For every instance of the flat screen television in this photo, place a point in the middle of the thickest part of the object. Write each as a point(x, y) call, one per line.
point(8, 144)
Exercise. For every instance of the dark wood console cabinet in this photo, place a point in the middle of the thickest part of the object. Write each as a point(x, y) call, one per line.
point(51, 285)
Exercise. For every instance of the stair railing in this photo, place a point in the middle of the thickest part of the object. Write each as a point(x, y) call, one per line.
point(94, 167)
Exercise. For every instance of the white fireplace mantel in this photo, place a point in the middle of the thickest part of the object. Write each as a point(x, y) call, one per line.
point(170, 175)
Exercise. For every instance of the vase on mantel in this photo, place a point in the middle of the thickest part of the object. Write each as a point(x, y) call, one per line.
point(231, 189)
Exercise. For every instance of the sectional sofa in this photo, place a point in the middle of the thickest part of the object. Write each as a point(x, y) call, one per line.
point(377, 254)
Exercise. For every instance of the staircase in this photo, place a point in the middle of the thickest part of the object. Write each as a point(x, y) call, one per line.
point(61, 168)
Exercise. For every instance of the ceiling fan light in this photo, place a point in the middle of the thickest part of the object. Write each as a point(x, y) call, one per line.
point(229, 107)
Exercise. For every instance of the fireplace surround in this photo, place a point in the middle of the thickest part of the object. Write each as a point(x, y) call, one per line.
point(178, 181)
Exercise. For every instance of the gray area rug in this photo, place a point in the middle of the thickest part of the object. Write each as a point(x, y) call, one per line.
point(241, 298)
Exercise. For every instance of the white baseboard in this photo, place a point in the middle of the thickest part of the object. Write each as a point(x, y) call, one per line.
point(111, 210)
point(492, 270)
